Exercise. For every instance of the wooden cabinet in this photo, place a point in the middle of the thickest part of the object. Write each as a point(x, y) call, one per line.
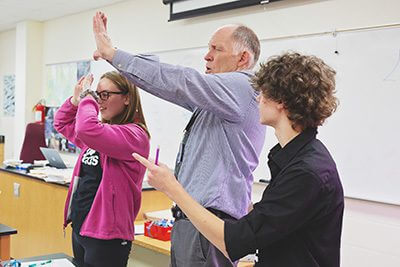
point(37, 214)
point(1, 152)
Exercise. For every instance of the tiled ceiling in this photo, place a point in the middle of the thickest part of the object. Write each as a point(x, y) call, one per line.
point(14, 11)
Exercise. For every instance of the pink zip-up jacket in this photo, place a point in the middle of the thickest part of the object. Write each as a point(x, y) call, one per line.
point(118, 197)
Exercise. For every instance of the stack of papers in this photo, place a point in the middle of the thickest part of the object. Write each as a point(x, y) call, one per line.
point(12, 162)
point(49, 263)
point(40, 163)
point(139, 229)
point(159, 215)
point(53, 175)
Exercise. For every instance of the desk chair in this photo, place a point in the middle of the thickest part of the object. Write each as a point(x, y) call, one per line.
point(34, 139)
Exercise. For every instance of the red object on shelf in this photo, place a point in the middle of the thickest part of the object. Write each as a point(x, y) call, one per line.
point(39, 110)
point(157, 231)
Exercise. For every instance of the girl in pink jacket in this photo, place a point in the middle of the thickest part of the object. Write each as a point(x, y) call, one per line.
point(105, 192)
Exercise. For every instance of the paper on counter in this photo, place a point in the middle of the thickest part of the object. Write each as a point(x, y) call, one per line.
point(54, 263)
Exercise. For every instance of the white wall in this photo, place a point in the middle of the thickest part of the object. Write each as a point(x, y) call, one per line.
point(7, 67)
point(142, 25)
point(371, 233)
point(28, 76)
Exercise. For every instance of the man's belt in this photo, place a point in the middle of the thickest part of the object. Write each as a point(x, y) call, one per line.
point(178, 214)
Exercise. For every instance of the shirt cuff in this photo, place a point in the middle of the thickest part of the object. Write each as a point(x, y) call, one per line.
point(69, 104)
point(239, 239)
point(139, 65)
point(121, 59)
point(89, 100)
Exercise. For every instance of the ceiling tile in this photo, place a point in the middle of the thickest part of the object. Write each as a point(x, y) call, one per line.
point(13, 11)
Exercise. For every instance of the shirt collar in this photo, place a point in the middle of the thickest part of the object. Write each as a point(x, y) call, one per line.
point(282, 156)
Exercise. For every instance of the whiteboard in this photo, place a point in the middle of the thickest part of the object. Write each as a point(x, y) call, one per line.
point(362, 135)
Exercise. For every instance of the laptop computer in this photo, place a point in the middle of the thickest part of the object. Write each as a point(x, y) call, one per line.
point(53, 157)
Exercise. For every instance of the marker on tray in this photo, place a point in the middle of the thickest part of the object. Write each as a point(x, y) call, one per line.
point(157, 154)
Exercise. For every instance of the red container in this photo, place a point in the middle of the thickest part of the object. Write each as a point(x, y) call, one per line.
point(156, 231)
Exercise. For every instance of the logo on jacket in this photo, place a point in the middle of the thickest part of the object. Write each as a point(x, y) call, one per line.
point(90, 157)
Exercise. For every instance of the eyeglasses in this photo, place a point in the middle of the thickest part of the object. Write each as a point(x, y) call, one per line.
point(104, 95)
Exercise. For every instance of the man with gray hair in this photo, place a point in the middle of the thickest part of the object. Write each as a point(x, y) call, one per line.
point(244, 39)
point(223, 139)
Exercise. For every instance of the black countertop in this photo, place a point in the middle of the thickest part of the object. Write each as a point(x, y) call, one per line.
point(6, 230)
point(26, 174)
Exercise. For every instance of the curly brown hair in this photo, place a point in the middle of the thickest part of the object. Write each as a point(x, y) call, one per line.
point(305, 85)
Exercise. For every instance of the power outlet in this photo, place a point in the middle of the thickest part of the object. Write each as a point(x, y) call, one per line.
point(16, 189)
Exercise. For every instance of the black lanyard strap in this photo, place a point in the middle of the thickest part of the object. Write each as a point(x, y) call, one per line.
point(192, 119)
point(179, 158)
